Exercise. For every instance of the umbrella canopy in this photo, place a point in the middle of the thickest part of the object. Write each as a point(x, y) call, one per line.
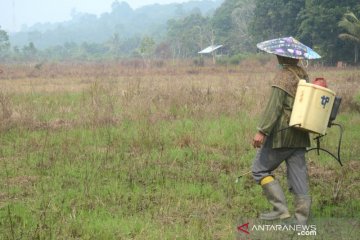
point(288, 47)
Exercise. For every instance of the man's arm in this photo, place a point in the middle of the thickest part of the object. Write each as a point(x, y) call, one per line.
point(270, 115)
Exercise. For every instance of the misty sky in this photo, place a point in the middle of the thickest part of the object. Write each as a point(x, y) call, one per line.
point(15, 13)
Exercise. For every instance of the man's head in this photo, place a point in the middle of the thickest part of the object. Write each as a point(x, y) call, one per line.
point(286, 60)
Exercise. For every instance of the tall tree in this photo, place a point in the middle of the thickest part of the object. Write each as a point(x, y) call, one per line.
point(352, 25)
point(4, 43)
point(147, 46)
point(147, 49)
point(230, 23)
point(319, 28)
point(276, 18)
point(189, 35)
point(30, 51)
point(115, 46)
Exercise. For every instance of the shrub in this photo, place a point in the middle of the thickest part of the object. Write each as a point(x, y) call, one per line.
point(355, 104)
point(199, 61)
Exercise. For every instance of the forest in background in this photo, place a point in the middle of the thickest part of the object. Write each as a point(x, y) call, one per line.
point(330, 27)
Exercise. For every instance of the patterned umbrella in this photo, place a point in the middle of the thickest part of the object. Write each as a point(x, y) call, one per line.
point(288, 47)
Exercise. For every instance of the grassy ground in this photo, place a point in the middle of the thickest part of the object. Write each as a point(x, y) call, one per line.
point(116, 151)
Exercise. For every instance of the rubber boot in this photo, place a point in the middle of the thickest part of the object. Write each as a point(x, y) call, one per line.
point(276, 197)
point(302, 209)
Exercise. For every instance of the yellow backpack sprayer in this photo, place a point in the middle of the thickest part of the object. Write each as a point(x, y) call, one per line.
point(314, 110)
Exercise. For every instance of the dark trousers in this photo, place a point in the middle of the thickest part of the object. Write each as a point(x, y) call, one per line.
point(268, 159)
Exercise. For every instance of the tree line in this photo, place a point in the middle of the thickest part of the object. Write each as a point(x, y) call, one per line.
point(330, 27)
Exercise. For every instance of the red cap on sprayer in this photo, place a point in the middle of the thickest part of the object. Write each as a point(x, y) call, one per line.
point(320, 82)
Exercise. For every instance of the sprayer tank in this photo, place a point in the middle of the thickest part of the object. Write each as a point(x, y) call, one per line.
point(312, 107)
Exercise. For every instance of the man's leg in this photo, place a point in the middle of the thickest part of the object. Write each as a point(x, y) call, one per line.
point(267, 160)
point(298, 183)
point(297, 173)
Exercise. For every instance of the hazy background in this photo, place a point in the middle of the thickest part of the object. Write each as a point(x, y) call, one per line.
point(15, 13)
point(81, 30)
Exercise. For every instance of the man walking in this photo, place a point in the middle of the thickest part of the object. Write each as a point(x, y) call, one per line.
point(277, 141)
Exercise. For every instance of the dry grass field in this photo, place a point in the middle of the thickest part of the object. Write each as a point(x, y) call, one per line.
point(121, 151)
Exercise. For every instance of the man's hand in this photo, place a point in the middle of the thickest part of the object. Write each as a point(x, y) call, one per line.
point(258, 140)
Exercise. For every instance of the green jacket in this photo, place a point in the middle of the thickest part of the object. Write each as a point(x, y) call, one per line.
point(276, 116)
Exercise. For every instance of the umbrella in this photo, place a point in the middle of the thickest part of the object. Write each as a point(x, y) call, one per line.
point(288, 47)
